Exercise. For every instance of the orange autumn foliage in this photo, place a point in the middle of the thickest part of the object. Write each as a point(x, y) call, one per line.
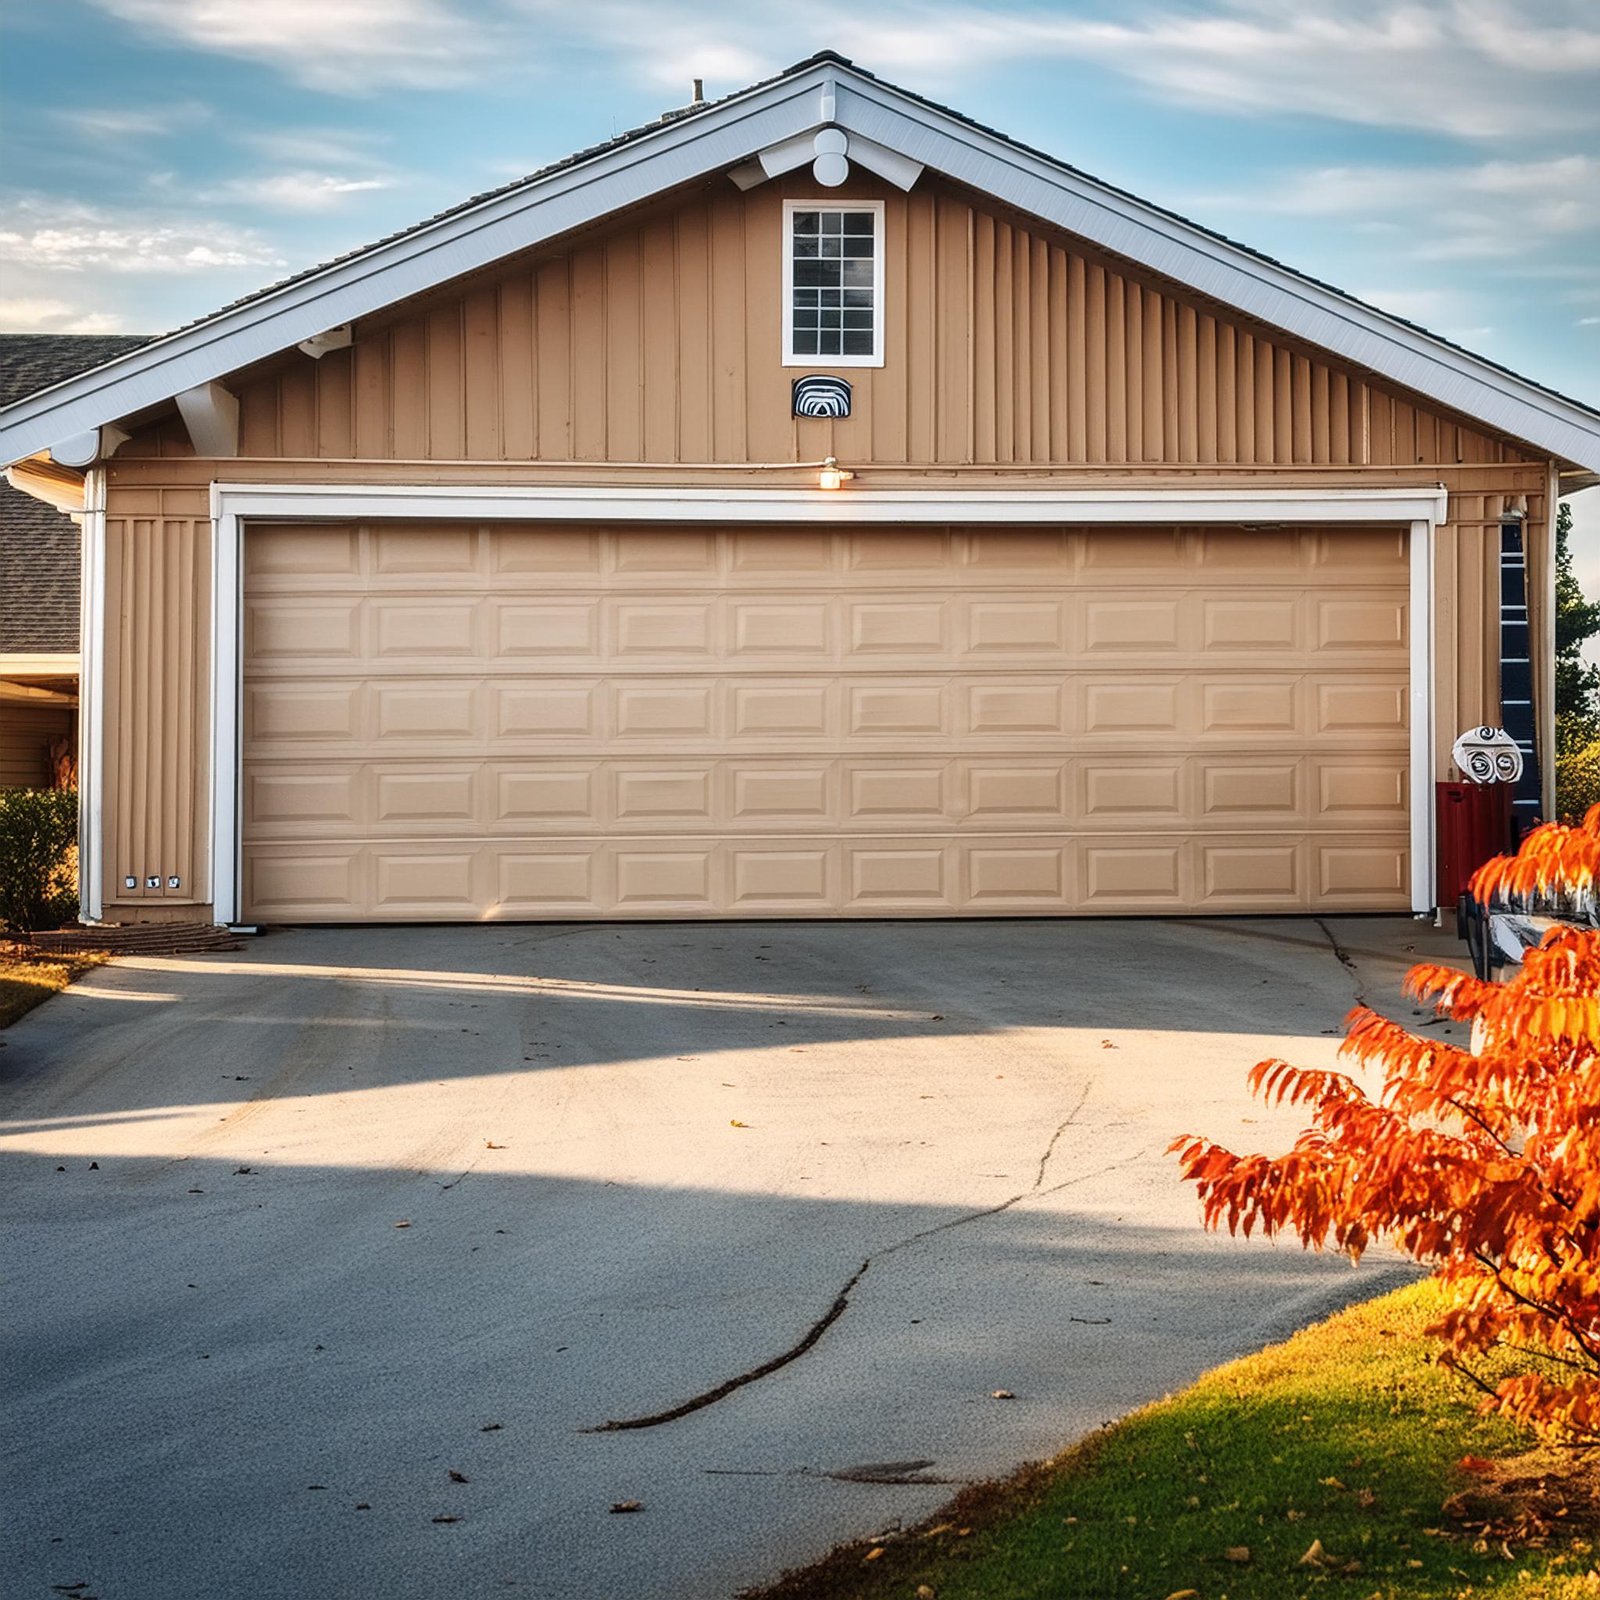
point(1482, 1163)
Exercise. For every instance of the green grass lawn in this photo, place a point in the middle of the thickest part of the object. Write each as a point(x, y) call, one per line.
point(1348, 1436)
point(27, 979)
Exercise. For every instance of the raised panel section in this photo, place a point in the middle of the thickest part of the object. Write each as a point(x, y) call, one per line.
point(679, 878)
point(789, 879)
point(547, 885)
point(1127, 790)
point(288, 630)
point(547, 629)
point(788, 794)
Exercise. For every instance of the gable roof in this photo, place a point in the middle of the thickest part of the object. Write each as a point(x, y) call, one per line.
point(702, 142)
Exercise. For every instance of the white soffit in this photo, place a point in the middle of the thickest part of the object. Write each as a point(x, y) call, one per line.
point(727, 136)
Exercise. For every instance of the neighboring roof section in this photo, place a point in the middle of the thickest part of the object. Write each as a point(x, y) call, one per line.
point(39, 548)
point(33, 361)
point(38, 576)
point(826, 91)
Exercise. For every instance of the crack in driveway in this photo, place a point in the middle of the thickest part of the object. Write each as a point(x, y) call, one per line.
point(1346, 960)
point(841, 1302)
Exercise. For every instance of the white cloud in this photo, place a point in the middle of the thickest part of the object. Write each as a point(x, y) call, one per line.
point(1492, 210)
point(1588, 322)
point(110, 124)
point(294, 191)
point(56, 236)
point(343, 46)
point(40, 315)
point(1477, 69)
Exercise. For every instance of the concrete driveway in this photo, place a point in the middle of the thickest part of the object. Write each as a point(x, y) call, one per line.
point(325, 1260)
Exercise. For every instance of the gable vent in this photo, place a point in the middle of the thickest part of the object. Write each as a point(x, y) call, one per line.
point(821, 395)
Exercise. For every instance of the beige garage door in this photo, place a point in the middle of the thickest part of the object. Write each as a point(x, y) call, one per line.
point(451, 722)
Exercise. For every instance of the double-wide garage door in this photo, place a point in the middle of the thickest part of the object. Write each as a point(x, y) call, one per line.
point(450, 722)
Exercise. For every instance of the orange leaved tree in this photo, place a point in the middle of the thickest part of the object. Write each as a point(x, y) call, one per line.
point(1484, 1164)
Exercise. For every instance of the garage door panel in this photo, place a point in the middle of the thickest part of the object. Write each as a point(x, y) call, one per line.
point(1359, 705)
point(1139, 707)
point(419, 630)
point(1252, 873)
point(767, 881)
point(1132, 791)
point(451, 722)
point(1256, 704)
point(283, 628)
point(1272, 622)
point(1357, 622)
point(545, 629)
point(1366, 553)
point(560, 709)
point(402, 549)
point(1130, 625)
point(1269, 791)
point(1030, 793)
point(1147, 874)
point(1357, 872)
point(1015, 625)
point(783, 628)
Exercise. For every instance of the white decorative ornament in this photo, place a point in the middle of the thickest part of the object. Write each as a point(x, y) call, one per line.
point(831, 166)
point(1487, 755)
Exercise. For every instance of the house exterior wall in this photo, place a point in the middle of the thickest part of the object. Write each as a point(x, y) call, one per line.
point(649, 353)
point(26, 734)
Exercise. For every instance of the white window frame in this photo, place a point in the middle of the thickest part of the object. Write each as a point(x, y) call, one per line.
point(833, 203)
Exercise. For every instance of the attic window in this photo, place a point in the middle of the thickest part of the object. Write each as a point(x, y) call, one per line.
point(833, 284)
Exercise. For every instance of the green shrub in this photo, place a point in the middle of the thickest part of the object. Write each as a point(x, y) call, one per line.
point(1578, 780)
point(38, 857)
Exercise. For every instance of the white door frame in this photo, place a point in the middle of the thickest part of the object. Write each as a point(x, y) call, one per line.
point(232, 504)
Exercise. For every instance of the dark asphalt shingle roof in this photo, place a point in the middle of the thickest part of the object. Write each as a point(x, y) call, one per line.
point(30, 361)
point(38, 544)
point(38, 575)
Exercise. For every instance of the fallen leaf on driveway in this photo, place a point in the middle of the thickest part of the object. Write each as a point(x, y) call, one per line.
point(627, 1505)
point(489, 1144)
point(458, 1477)
point(491, 1427)
point(447, 1518)
point(1001, 1394)
point(1316, 1556)
point(402, 1224)
point(734, 1122)
point(873, 1553)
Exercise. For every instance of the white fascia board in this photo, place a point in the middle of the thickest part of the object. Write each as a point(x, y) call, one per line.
point(500, 226)
point(1224, 272)
point(317, 502)
point(38, 663)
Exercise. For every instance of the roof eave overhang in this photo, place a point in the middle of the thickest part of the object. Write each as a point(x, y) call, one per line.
point(716, 140)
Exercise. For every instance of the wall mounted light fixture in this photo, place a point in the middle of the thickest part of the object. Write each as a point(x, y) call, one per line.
point(832, 474)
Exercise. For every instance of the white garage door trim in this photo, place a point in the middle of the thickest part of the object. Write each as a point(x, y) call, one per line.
point(234, 504)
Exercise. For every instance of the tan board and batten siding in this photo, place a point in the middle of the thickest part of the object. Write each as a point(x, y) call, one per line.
point(648, 352)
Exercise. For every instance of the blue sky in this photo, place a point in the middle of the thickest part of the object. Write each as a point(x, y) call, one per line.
point(1440, 158)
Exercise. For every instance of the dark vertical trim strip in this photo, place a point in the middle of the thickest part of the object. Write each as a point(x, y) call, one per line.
point(1516, 671)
